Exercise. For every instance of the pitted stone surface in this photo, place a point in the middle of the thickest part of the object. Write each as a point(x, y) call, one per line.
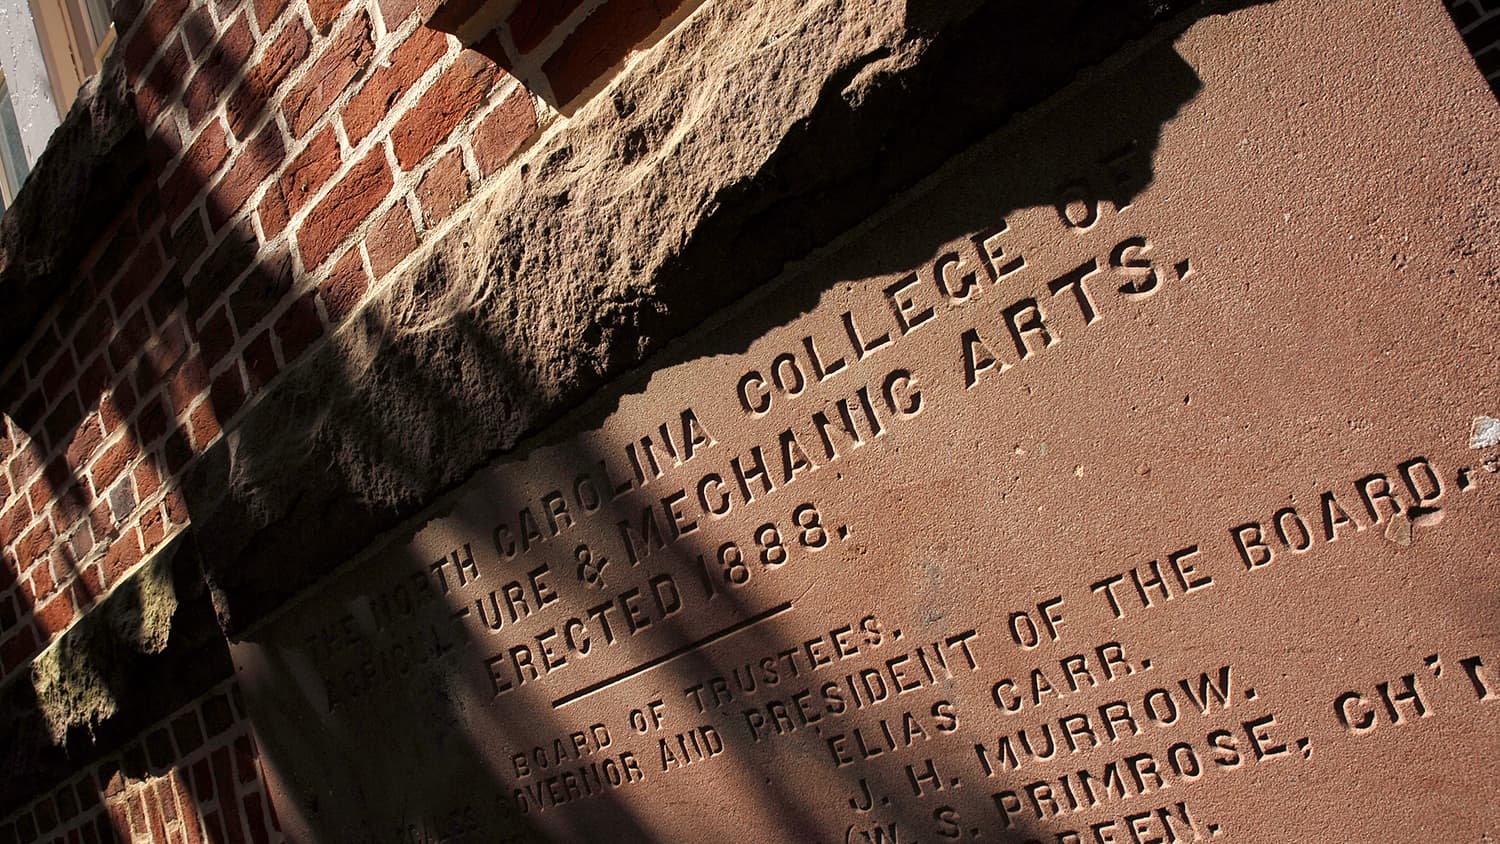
point(1117, 483)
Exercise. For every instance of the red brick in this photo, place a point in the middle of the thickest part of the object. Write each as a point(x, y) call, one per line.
point(154, 419)
point(228, 392)
point(199, 163)
point(153, 530)
point(147, 479)
point(160, 18)
point(323, 12)
point(93, 379)
point(341, 61)
point(346, 283)
point(392, 239)
point(444, 188)
point(311, 169)
point(393, 12)
point(266, 12)
point(224, 781)
point(216, 337)
point(395, 77)
point(163, 353)
point(344, 208)
point(159, 88)
point(503, 130)
point(137, 279)
point(121, 557)
point(55, 615)
point(260, 362)
point(35, 543)
point(42, 581)
point(534, 20)
point(599, 43)
point(58, 377)
point(112, 463)
point(272, 212)
point(219, 71)
point(251, 167)
point(187, 384)
point(452, 98)
point(176, 508)
point(248, 102)
point(203, 424)
point(299, 326)
point(18, 648)
point(253, 814)
point(86, 438)
point(198, 29)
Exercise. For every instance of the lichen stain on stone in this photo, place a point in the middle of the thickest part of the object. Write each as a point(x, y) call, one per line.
point(76, 679)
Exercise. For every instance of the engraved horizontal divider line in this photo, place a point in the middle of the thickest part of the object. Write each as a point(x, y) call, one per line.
point(657, 662)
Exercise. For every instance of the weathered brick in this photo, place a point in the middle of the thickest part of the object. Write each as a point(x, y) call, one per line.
point(534, 20)
point(18, 648)
point(35, 543)
point(392, 238)
point(123, 555)
point(216, 338)
point(248, 102)
point(503, 130)
point(188, 383)
point(86, 438)
point(394, 77)
point(158, 90)
point(130, 337)
point(137, 278)
point(272, 212)
point(112, 463)
point(228, 392)
point(219, 71)
point(453, 97)
point(450, 15)
point(393, 12)
point(56, 614)
point(59, 376)
point(153, 530)
point(603, 38)
point(189, 240)
point(298, 327)
point(198, 31)
point(160, 17)
point(261, 291)
point(343, 208)
point(198, 165)
point(341, 61)
point(346, 283)
point(61, 421)
point(260, 362)
point(162, 353)
point(251, 167)
point(204, 425)
point(267, 11)
point(444, 188)
point(154, 419)
point(323, 12)
point(147, 479)
point(310, 170)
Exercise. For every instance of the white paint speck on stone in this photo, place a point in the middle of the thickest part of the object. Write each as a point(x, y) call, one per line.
point(1486, 432)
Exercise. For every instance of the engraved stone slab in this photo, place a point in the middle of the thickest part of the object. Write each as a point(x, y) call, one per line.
point(1129, 482)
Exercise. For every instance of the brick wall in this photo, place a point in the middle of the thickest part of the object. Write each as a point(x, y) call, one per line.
point(301, 153)
point(193, 778)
